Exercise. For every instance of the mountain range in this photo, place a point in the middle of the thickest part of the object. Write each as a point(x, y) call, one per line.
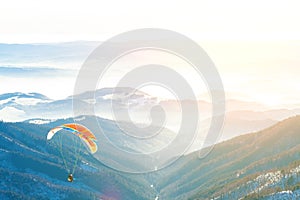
point(260, 165)
point(52, 54)
point(241, 116)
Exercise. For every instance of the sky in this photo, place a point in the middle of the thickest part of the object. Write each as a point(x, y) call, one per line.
point(254, 44)
point(59, 21)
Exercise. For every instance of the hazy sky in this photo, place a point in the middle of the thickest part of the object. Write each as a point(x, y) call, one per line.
point(53, 21)
point(255, 44)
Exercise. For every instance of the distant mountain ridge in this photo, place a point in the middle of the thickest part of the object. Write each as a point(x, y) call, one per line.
point(239, 118)
point(45, 54)
point(23, 95)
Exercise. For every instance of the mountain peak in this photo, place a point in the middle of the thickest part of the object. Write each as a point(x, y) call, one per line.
point(23, 95)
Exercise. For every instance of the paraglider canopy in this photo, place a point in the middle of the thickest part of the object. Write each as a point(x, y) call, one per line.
point(79, 130)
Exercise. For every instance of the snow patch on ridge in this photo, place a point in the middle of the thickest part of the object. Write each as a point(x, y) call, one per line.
point(11, 114)
point(40, 121)
point(30, 101)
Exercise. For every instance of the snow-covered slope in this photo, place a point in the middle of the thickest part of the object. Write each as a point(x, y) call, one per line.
point(23, 99)
point(32, 168)
point(14, 106)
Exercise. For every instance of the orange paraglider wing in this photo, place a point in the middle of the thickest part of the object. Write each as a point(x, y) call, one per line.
point(79, 130)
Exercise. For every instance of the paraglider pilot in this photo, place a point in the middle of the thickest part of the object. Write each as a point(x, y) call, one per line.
point(70, 178)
